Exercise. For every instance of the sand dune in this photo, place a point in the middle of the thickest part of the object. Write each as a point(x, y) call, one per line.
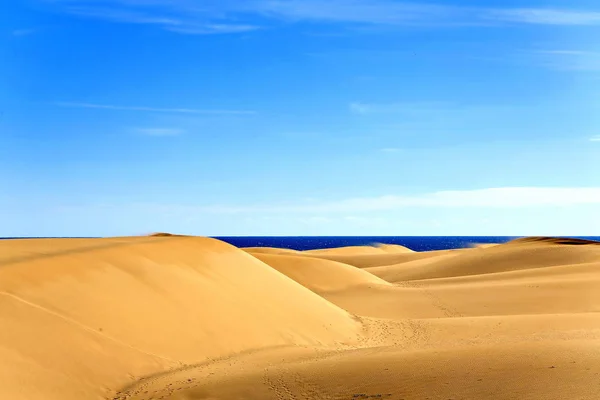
point(551, 370)
point(553, 240)
point(348, 250)
point(378, 259)
point(320, 275)
point(393, 248)
point(484, 245)
point(153, 304)
point(508, 257)
point(270, 250)
point(173, 317)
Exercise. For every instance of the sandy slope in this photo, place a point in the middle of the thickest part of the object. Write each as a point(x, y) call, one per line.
point(80, 322)
point(347, 251)
point(379, 258)
point(508, 257)
point(320, 275)
point(269, 250)
point(393, 248)
point(190, 318)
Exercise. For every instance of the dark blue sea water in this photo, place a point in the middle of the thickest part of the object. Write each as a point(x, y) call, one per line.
point(416, 243)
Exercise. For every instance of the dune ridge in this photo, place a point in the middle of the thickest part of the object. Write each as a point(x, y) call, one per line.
point(270, 250)
point(554, 240)
point(318, 274)
point(393, 248)
point(500, 258)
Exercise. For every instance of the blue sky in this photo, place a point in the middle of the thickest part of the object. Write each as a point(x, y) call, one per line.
point(299, 117)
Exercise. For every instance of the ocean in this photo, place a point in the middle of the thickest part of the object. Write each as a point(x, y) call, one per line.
point(416, 243)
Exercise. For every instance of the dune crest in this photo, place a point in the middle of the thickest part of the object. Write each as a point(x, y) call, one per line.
point(554, 240)
point(164, 234)
point(393, 248)
point(320, 275)
point(270, 250)
point(487, 260)
point(346, 250)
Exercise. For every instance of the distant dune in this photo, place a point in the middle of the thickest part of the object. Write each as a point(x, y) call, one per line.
point(320, 275)
point(348, 250)
point(360, 259)
point(186, 318)
point(164, 234)
point(554, 240)
point(269, 250)
point(488, 260)
point(393, 248)
point(484, 245)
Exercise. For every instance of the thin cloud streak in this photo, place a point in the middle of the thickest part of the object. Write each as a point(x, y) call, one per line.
point(213, 29)
point(152, 109)
point(595, 138)
point(23, 32)
point(124, 16)
point(543, 16)
point(565, 52)
point(230, 16)
point(408, 107)
point(489, 198)
point(355, 11)
point(507, 197)
point(159, 131)
point(570, 60)
point(174, 21)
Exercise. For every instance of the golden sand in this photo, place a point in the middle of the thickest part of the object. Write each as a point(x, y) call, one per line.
point(174, 317)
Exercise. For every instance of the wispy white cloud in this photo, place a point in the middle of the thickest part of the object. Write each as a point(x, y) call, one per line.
point(207, 29)
point(489, 198)
point(408, 107)
point(505, 197)
point(546, 16)
point(159, 131)
point(358, 11)
point(151, 109)
point(229, 16)
point(23, 32)
point(169, 17)
point(126, 15)
point(595, 138)
point(569, 60)
point(565, 52)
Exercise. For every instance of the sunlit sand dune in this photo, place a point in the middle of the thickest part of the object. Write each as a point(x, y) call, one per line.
point(269, 250)
point(507, 257)
point(174, 318)
point(349, 251)
point(377, 259)
point(77, 323)
point(320, 275)
point(484, 245)
point(554, 240)
point(550, 370)
point(393, 248)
